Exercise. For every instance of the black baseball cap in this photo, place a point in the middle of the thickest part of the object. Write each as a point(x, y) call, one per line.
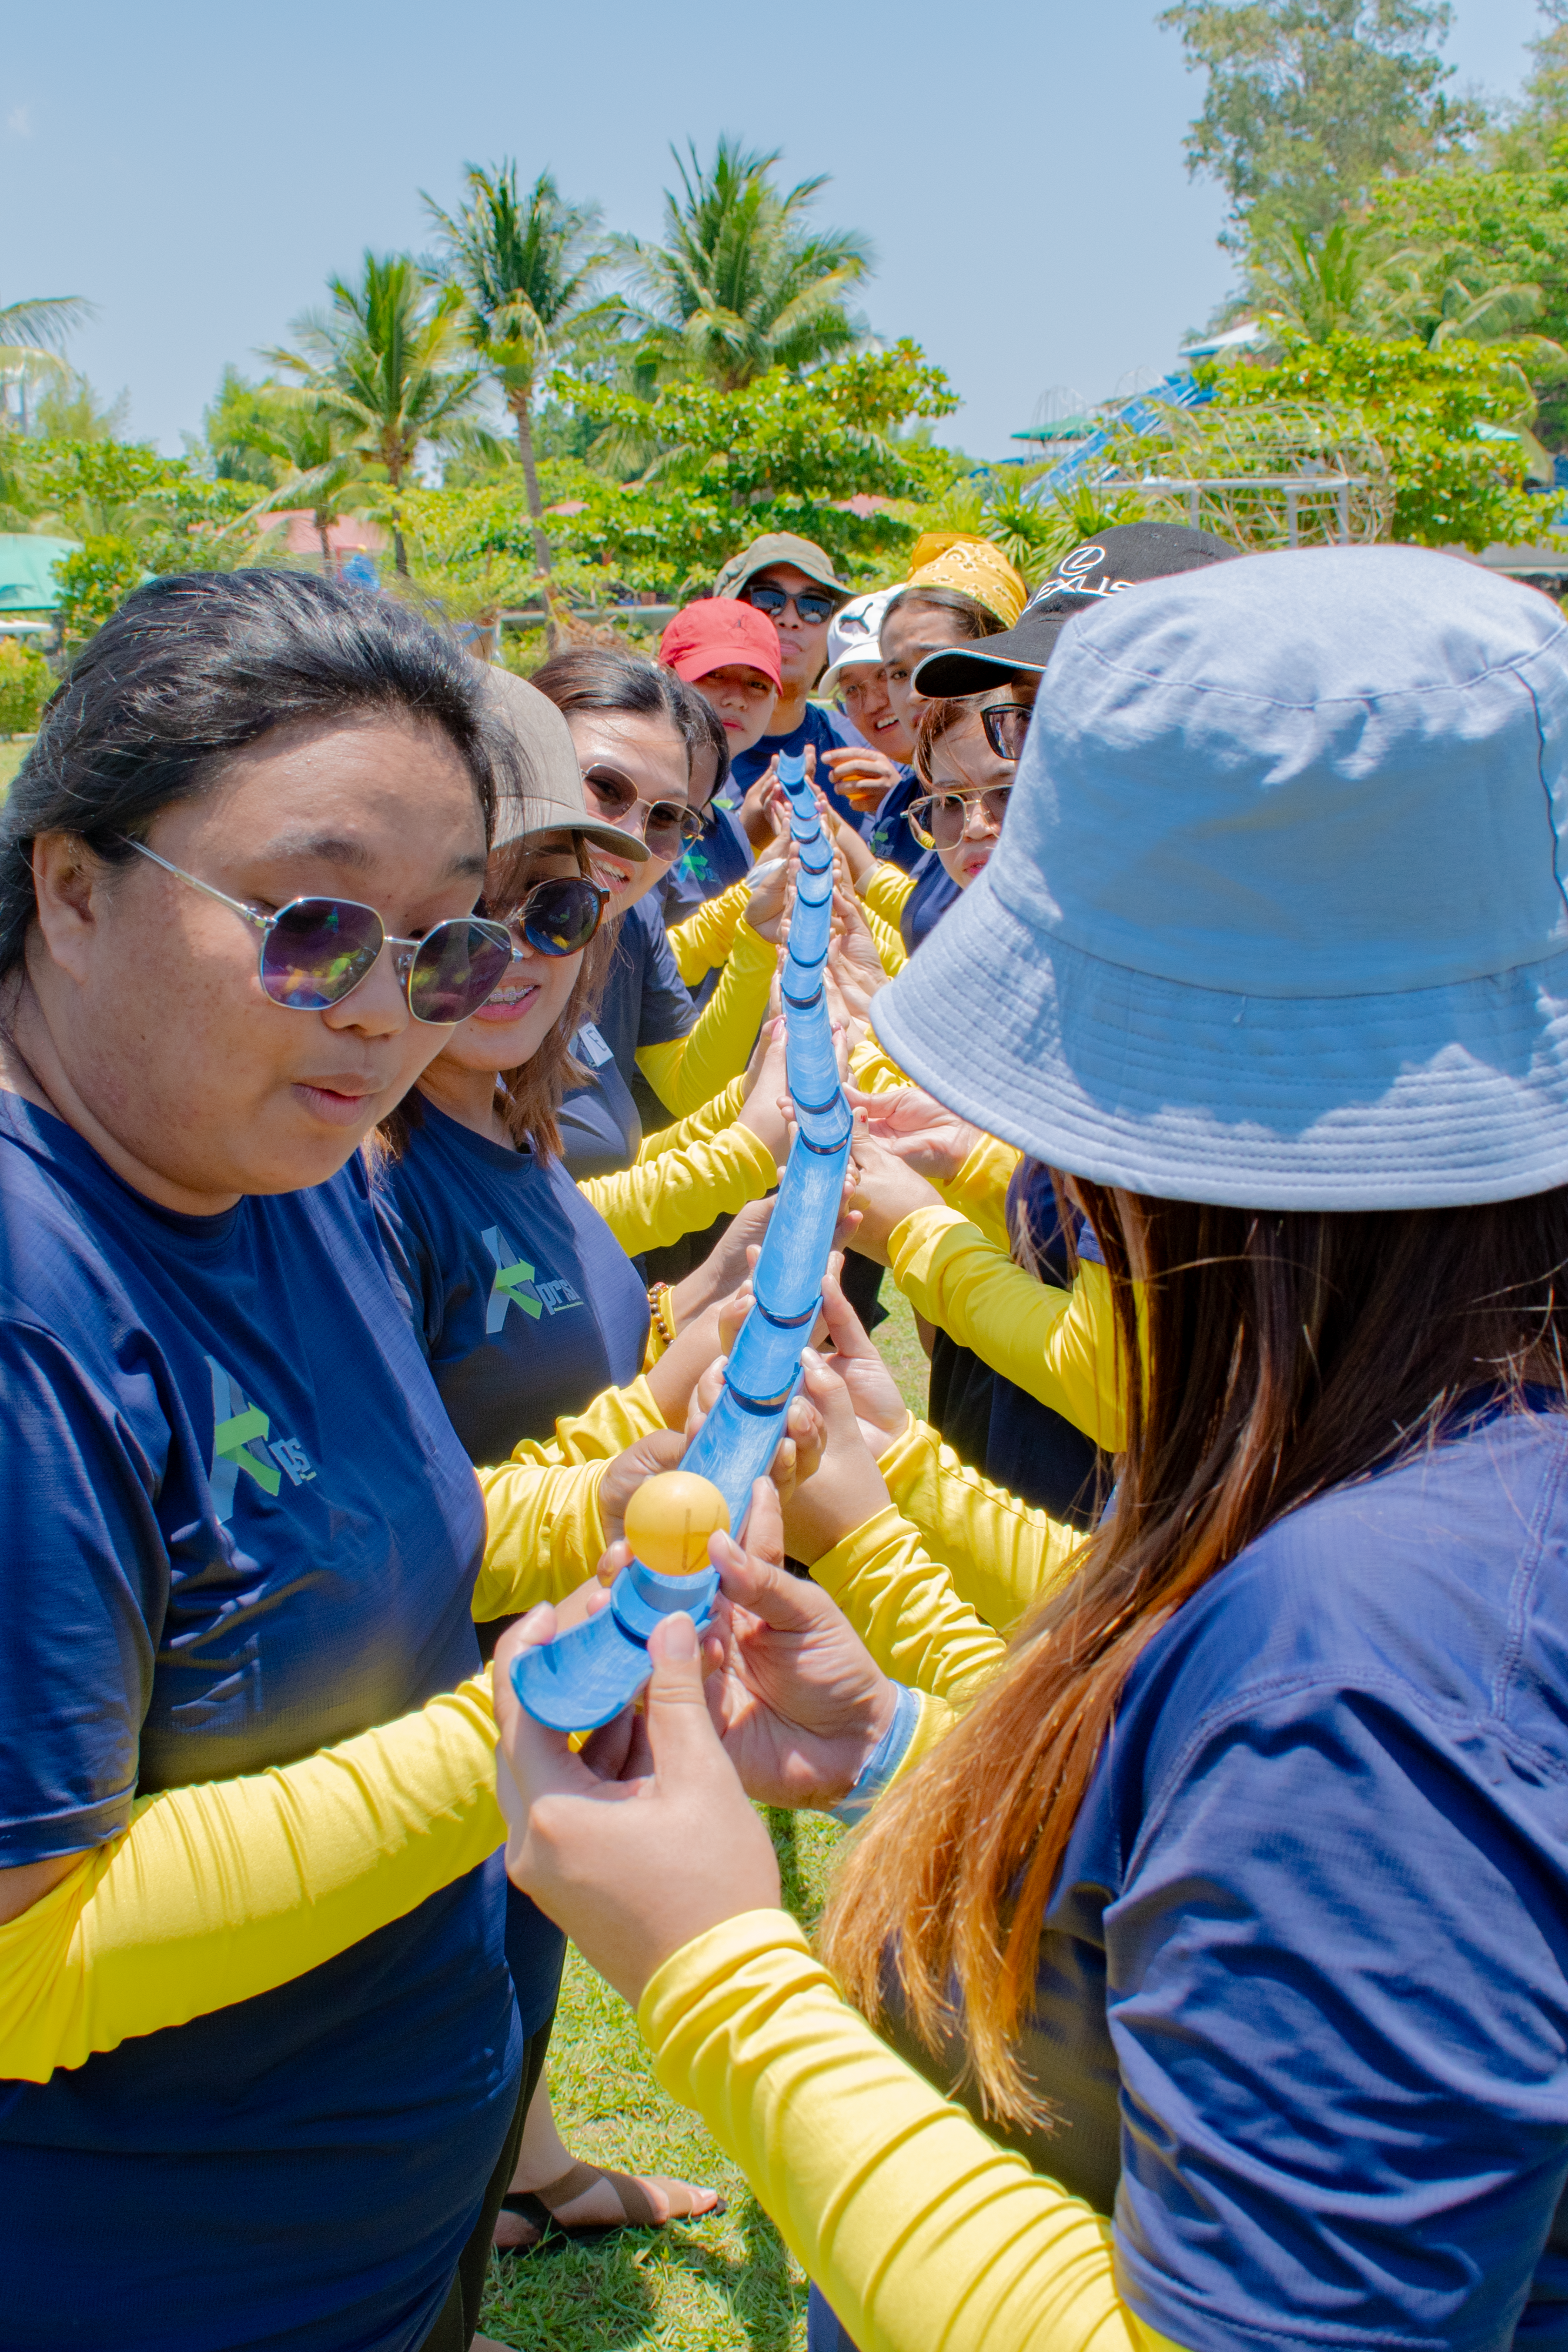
point(1120, 558)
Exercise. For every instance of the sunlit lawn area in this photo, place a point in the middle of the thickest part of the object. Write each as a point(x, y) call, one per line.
point(725, 2285)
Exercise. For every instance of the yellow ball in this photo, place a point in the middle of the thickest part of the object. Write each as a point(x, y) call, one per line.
point(670, 1519)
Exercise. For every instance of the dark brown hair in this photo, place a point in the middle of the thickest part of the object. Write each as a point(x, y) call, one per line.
point(938, 719)
point(978, 620)
point(1282, 1354)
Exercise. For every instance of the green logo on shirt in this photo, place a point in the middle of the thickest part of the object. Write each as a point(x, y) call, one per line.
point(240, 1441)
point(515, 1285)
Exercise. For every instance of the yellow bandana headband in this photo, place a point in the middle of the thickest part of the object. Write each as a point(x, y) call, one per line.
point(958, 559)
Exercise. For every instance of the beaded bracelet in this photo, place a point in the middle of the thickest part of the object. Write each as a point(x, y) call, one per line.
point(662, 1310)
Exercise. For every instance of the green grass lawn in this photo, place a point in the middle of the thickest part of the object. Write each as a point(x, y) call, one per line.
point(725, 2285)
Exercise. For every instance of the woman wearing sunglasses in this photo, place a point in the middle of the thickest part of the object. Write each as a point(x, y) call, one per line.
point(635, 732)
point(527, 1306)
point(1232, 1909)
point(256, 2020)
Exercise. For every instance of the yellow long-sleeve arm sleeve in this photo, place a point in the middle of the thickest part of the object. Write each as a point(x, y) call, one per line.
point(888, 890)
point(221, 1891)
point(544, 1533)
point(1059, 1346)
point(656, 1200)
point(1003, 1557)
point(908, 1611)
point(697, 1125)
point(704, 941)
point(689, 1071)
point(889, 944)
point(923, 2233)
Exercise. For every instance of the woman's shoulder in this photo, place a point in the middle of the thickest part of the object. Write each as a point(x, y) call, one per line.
point(1437, 1585)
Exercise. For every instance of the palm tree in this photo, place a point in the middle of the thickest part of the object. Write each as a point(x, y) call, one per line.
point(384, 362)
point(526, 266)
point(741, 284)
point(32, 337)
point(323, 471)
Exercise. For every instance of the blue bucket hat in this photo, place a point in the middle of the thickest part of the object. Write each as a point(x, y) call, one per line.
point(1277, 918)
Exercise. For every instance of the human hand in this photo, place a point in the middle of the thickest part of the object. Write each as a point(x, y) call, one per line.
point(918, 1129)
point(844, 1489)
point(764, 895)
point(758, 811)
point(759, 1110)
point(644, 1840)
point(726, 1269)
point(800, 1702)
point(880, 1411)
point(886, 1192)
point(852, 956)
point(864, 777)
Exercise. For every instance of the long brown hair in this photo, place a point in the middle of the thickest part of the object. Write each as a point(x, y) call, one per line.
point(1286, 1354)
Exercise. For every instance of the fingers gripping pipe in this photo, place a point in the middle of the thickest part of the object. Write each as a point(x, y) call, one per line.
point(589, 1674)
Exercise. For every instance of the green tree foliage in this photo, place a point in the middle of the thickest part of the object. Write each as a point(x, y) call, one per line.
point(239, 429)
point(527, 267)
point(133, 511)
point(95, 578)
point(1452, 486)
point(471, 550)
point(781, 455)
point(27, 682)
point(386, 360)
point(1310, 103)
point(318, 467)
point(742, 284)
point(1497, 240)
point(1531, 135)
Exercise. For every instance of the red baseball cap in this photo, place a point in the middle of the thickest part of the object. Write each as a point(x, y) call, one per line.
point(715, 632)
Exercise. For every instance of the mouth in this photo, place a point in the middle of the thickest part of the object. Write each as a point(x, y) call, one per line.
point(880, 726)
point(976, 862)
point(510, 1000)
point(340, 1103)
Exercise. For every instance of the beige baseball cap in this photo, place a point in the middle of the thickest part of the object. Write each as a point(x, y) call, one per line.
point(779, 547)
point(552, 800)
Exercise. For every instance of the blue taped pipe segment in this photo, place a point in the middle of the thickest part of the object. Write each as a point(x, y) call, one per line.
point(586, 1677)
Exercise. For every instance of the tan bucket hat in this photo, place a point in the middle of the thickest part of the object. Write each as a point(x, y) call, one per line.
point(553, 799)
point(779, 547)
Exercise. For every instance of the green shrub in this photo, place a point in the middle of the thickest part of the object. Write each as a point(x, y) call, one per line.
point(26, 685)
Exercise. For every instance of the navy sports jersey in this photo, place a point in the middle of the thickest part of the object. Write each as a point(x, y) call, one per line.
point(887, 833)
point(524, 1302)
point(237, 1527)
point(720, 856)
point(526, 1306)
point(824, 729)
point(935, 891)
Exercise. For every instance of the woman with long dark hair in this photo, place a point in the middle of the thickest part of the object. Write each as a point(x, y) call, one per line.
point(1234, 1907)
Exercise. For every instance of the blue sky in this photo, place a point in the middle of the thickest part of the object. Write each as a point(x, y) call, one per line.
point(198, 170)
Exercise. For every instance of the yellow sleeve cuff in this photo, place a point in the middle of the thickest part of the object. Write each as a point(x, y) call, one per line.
point(707, 935)
point(654, 1202)
point(543, 1530)
point(904, 1606)
point(887, 891)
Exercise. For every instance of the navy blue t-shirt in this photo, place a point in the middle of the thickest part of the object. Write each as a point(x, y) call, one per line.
point(887, 833)
point(720, 856)
point(1302, 2002)
point(825, 730)
point(526, 1307)
point(935, 891)
point(237, 1527)
point(524, 1302)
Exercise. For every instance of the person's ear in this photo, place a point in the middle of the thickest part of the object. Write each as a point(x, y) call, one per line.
point(70, 883)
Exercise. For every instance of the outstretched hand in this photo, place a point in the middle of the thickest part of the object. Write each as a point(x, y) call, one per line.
point(918, 1129)
point(634, 1864)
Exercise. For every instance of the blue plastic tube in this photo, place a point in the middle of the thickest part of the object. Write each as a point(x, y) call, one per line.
point(586, 1676)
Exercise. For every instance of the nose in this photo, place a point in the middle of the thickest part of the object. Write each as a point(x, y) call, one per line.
point(379, 1007)
point(978, 822)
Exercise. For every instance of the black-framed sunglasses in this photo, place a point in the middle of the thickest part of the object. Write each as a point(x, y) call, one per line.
point(1006, 725)
point(939, 820)
point(667, 826)
point(812, 606)
point(316, 952)
point(558, 917)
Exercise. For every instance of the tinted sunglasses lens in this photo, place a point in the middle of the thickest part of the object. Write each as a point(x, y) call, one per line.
point(559, 918)
point(770, 601)
point(814, 609)
point(613, 793)
point(456, 967)
point(670, 827)
point(317, 951)
point(1005, 730)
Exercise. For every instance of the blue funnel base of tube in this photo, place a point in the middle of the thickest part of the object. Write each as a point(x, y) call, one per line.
point(585, 1678)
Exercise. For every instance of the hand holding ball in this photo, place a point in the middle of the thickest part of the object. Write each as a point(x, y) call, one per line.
point(670, 1519)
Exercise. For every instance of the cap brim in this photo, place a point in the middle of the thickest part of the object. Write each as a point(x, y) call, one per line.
point(692, 668)
point(975, 668)
point(1432, 1098)
point(588, 828)
point(831, 680)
